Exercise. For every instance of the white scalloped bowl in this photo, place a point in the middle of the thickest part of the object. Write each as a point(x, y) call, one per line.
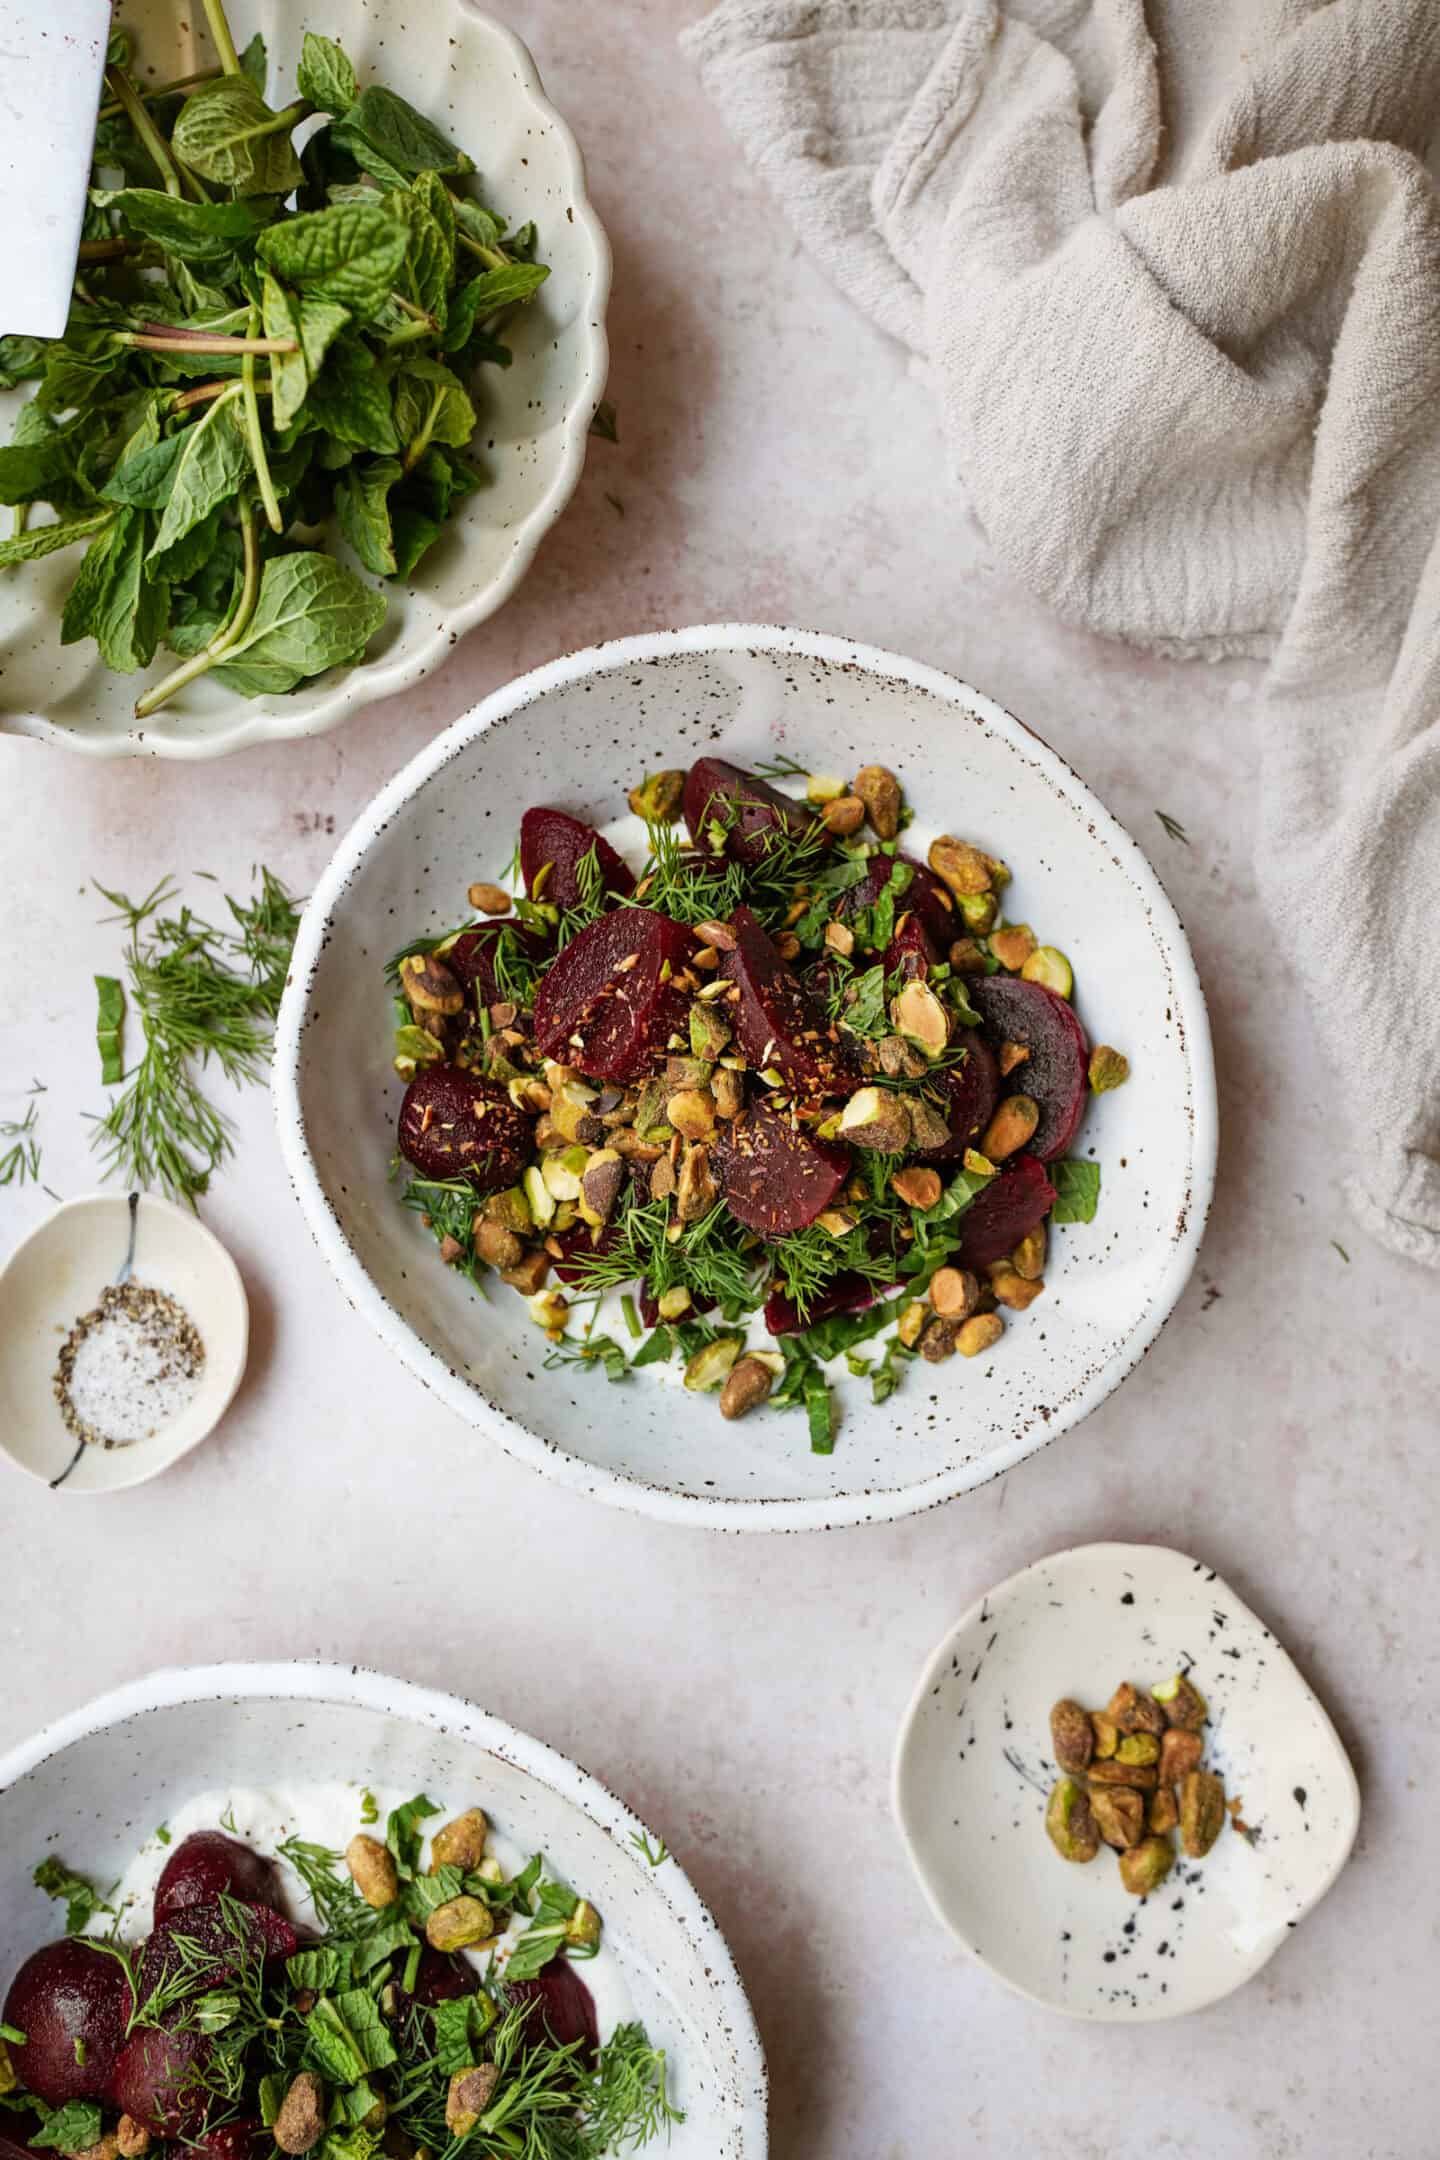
point(473, 77)
point(578, 733)
point(94, 1784)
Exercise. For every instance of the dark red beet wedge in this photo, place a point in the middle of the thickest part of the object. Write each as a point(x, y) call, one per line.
point(925, 897)
point(750, 808)
point(609, 1002)
point(454, 1124)
point(561, 2008)
point(210, 1936)
point(581, 1238)
point(471, 959)
point(554, 837)
point(208, 1862)
point(912, 949)
point(775, 1175)
point(1054, 1074)
point(973, 1087)
point(155, 2079)
point(11, 2147)
point(994, 1223)
point(849, 1292)
point(66, 1992)
point(778, 1023)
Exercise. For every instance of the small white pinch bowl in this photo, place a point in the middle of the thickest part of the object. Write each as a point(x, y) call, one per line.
point(973, 1770)
point(472, 77)
point(578, 733)
point(56, 1275)
point(90, 1787)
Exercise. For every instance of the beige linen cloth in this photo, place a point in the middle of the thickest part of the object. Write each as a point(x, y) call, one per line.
point(1175, 271)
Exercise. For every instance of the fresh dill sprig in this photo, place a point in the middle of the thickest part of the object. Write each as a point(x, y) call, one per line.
point(1173, 827)
point(593, 899)
point(808, 1261)
point(686, 885)
point(339, 1906)
point(591, 1350)
point(656, 1854)
point(20, 1164)
point(447, 1208)
point(200, 993)
point(629, 2103)
point(704, 1259)
point(780, 767)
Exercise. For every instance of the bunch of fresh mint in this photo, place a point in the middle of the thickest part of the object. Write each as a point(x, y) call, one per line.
point(263, 347)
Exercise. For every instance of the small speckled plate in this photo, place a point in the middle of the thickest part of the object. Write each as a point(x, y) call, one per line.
point(973, 1770)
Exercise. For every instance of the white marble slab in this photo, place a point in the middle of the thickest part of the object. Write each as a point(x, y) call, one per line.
point(777, 460)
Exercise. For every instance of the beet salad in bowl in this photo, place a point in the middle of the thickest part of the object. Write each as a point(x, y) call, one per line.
point(757, 1087)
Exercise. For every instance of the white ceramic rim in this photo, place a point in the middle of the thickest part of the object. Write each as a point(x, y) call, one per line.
point(1110, 1550)
point(370, 680)
point(831, 1511)
point(192, 1226)
point(318, 1681)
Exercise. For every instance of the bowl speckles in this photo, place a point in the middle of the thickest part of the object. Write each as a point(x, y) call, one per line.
point(973, 1770)
point(578, 733)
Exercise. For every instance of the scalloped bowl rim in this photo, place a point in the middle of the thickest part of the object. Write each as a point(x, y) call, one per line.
point(827, 1511)
point(369, 681)
point(361, 1687)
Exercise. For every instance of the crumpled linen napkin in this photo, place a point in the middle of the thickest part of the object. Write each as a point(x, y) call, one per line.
point(1176, 276)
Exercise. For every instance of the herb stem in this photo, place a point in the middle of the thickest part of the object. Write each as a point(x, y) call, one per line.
point(256, 435)
point(416, 313)
point(202, 393)
point(162, 90)
point(96, 251)
point(188, 342)
point(129, 99)
point(220, 32)
point(228, 634)
point(420, 443)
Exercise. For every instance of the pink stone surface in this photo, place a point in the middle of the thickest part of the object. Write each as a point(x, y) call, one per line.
point(778, 460)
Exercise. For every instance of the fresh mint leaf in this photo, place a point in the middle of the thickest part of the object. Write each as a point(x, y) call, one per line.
point(460, 2029)
point(82, 1899)
point(351, 398)
point(363, 508)
point(114, 599)
point(350, 254)
point(253, 62)
point(70, 2129)
point(196, 232)
point(348, 2037)
point(314, 324)
point(213, 460)
point(40, 540)
point(325, 74)
point(28, 470)
point(312, 614)
point(1077, 1184)
point(228, 134)
point(317, 1969)
point(21, 358)
point(406, 141)
point(403, 1834)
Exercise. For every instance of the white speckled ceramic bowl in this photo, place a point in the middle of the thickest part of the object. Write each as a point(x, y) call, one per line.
point(578, 733)
point(473, 77)
point(973, 1769)
point(95, 1783)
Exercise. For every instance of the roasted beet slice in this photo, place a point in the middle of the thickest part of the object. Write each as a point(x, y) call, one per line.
point(455, 1124)
point(212, 1939)
point(999, 1217)
point(554, 837)
point(610, 1000)
point(12, 2147)
point(65, 1993)
point(750, 808)
point(575, 1243)
point(561, 2010)
point(912, 949)
point(156, 2080)
point(973, 1086)
point(850, 1292)
point(208, 1862)
point(924, 897)
point(471, 959)
point(778, 1023)
point(776, 1176)
point(1054, 1074)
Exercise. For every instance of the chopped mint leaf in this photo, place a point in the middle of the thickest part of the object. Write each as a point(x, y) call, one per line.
point(1078, 1185)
